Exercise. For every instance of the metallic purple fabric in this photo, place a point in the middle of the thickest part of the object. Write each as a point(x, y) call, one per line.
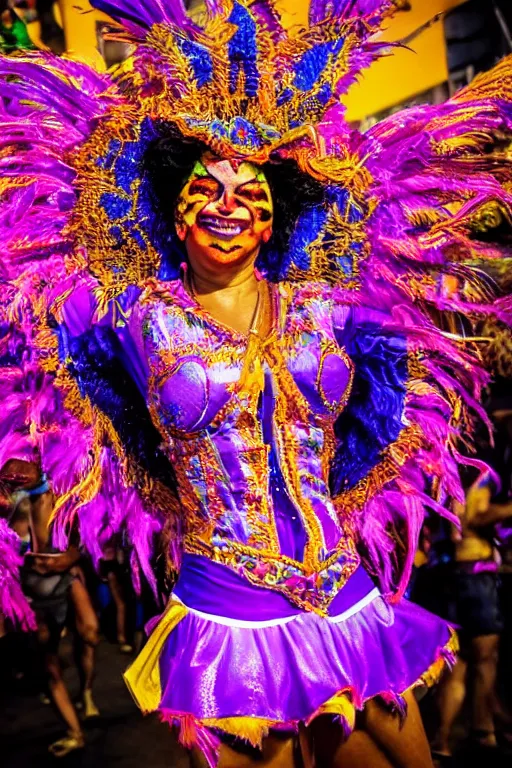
point(290, 529)
point(212, 588)
point(253, 462)
point(284, 673)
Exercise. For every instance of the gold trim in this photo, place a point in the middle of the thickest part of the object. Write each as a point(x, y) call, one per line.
point(433, 674)
point(394, 456)
point(346, 547)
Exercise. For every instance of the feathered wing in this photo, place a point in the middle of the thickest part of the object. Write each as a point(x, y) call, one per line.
point(52, 380)
point(14, 606)
point(436, 175)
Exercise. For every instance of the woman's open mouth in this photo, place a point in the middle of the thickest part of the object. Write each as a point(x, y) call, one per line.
point(222, 227)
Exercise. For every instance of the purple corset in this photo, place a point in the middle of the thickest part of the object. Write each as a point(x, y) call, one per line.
point(252, 457)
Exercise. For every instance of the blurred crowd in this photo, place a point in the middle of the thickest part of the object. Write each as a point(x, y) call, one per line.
point(69, 596)
point(464, 574)
point(27, 25)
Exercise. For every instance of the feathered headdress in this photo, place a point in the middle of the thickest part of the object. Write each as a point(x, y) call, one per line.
point(245, 87)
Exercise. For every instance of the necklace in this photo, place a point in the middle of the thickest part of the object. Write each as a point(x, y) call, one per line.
point(252, 376)
point(262, 310)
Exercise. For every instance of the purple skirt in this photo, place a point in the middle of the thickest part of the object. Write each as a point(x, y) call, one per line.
point(243, 660)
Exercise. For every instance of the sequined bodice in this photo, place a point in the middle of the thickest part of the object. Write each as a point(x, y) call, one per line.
point(249, 428)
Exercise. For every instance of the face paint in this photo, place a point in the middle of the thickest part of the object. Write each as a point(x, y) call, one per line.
point(224, 213)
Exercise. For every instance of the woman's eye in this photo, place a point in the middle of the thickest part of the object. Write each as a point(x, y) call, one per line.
point(253, 192)
point(207, 187)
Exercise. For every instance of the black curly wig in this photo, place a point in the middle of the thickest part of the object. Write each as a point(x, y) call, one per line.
point(169, 161)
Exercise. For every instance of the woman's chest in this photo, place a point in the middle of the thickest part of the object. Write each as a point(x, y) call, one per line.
point(200, 370)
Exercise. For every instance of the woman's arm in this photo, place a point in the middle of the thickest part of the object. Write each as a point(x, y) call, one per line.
point(54, 563)
point(40, 516)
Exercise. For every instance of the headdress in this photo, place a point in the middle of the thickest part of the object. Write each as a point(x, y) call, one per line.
point(247, 88)
point(399, 228)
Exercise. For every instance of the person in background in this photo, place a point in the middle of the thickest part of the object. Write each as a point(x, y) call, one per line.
point(501, 507)
point(13, 33)
point(51, 584)
point(474, 604)
point(111, 572)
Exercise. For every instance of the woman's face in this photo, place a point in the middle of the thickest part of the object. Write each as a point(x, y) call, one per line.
point(224, 212)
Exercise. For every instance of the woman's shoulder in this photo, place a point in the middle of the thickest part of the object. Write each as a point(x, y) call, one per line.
point(166, 314)
point(170, 293)
point(302, 293)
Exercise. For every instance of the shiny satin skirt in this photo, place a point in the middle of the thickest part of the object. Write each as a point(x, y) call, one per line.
point(227, 657)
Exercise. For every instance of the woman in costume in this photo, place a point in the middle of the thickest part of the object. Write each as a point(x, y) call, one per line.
point(217, 301)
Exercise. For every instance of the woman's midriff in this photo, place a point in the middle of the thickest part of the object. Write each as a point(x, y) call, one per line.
point(213, 588)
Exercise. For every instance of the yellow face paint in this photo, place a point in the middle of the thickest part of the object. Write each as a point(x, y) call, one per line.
point(224, 213)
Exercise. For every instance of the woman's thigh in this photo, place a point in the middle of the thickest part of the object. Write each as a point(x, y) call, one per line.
point(381, 739)
point(402, 740)
point(326, 749)
point(329, 747)
point(484, 649)
point(278, 752)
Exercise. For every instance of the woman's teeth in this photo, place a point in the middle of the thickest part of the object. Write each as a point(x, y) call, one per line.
point(222, 227)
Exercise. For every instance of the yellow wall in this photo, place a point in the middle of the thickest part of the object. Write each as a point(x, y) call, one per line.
point(394, 79)
point(79, 25)
point(406, 72)
point(389, 81)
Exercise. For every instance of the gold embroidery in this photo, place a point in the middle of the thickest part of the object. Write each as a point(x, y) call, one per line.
point(394, 456)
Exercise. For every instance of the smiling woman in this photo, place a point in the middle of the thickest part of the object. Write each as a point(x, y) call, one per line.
point(224, 297)
point(223, 215)
point(175, 169)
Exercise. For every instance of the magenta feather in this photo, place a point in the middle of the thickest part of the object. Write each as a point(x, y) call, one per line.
point(14, 605)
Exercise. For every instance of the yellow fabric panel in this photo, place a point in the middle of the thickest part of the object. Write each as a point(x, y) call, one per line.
point(143, 676)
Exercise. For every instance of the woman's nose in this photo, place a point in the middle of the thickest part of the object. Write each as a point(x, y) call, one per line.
point(227, 203)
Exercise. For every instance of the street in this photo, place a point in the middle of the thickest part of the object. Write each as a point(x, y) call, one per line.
point(121, 738)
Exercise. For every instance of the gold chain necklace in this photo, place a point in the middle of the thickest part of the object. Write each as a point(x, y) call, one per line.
point(261, 313)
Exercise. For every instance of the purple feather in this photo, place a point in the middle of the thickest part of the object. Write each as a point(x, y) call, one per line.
point(13, 604)
point(267, 16)
point(139, 16)
point(320, 10)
